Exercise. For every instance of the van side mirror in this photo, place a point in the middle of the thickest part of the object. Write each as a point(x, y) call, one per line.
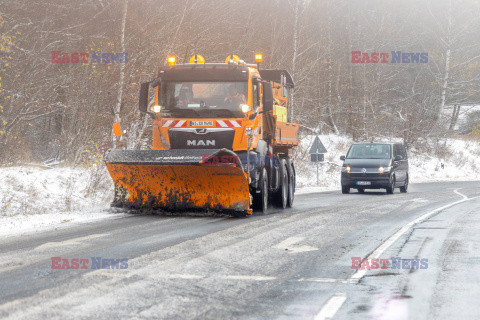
point(267, 98)
point(398, 158)
point(342, 158)
point(143, 100)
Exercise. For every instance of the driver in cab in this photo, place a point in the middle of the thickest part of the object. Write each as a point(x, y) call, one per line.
point(185, 97)
point(234, 97)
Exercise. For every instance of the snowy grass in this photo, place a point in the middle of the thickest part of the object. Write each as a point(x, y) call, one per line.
point(461, 159)
point(36, 198)
point(328, 171)
point(33, 198)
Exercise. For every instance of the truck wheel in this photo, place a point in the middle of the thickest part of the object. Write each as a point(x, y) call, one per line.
point(280, 197)
point(260, 200)
point(291, 182)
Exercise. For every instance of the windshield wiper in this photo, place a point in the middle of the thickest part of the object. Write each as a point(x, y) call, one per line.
point(230, 112)
point(181, 112)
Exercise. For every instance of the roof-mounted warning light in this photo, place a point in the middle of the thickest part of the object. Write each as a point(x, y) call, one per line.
point(171, 60)
point(197, 59)
point(258, 59)
point(233, 58)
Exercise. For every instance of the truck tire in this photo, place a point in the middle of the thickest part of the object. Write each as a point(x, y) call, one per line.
point(291, 182)
point(260, 200)
point(280, 197)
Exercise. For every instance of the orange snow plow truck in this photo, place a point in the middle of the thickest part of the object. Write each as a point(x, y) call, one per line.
point(221, 140)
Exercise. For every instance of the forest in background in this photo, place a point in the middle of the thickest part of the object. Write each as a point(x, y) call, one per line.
point(65, 111)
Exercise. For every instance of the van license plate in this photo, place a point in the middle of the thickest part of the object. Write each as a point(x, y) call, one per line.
point(363, 183)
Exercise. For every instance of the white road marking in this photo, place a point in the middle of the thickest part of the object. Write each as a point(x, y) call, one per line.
point(226, 277)
point(376, 254)
point(421, 200)
point(69, 242)
point(178, 276)
point(113, 273)
point(254, 278)
point(328, 280)
point(331, 307)
point(288, 243)
point(460, 194)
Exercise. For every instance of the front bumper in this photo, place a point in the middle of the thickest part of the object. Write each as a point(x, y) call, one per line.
point(372, 180)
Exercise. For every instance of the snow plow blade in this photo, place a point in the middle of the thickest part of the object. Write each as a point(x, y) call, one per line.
point(178, 180)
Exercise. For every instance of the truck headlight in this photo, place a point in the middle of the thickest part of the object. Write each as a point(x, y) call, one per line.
point(245, 108)
point(157, 108)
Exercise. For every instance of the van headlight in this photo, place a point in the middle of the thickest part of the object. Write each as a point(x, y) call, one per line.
point(384, 169)
point(346, 169)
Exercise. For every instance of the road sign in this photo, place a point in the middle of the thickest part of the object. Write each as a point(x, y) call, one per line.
point(317, 147)
point(317, 157)
point(317, 152)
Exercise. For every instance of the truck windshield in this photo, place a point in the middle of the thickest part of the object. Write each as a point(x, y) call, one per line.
point(204, 99)
point(369, 151)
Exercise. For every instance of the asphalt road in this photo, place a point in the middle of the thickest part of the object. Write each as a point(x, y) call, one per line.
point(291, 264)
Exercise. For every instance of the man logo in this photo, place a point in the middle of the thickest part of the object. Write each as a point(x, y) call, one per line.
point(196, 143)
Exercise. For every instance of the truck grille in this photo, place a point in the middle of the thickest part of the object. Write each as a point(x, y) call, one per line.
point(201, 138)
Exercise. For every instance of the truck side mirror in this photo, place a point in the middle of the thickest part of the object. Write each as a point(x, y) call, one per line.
point(267, 98)
point(398, 158)
point(143, 100)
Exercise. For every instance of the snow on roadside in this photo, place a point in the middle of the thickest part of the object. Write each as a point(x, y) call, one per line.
point(37, 199)
point(328, 171)
point(461, 163)
point(34, 199)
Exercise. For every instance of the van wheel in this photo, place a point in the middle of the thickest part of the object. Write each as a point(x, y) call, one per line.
point(281, 196)
point(404, 188)
point(345, 190)
point(391, 187)
point(260, 200)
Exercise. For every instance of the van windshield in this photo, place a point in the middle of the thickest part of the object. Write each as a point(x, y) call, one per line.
point(370, 151)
